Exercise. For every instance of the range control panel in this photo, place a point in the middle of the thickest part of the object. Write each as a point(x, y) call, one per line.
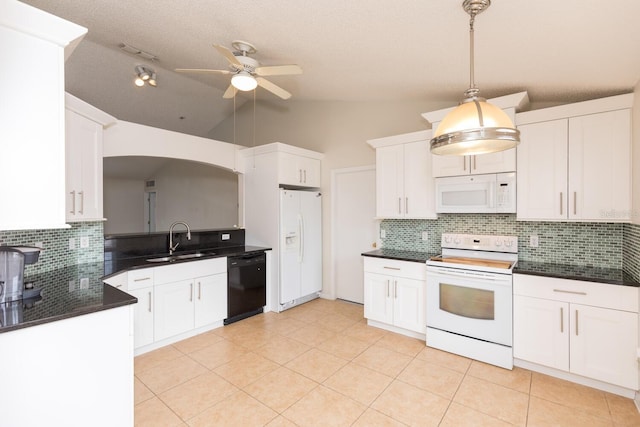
point(480, 242)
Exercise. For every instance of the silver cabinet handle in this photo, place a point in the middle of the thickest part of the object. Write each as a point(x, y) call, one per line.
point(81, 210)
point(142, 279)
point(464, 163)
point(391, 268)
point(474, 163)
point(406, 205)
point(199, 290)
point(576, 322)
point(395, 289)
point(387, 288)
point(575, 202)
point(305, 176)
point(562, 291)
point(561, 320)
point(399, 205)
point(73, 202)
point(191, 291)
point(561, 203)
point(149, 301)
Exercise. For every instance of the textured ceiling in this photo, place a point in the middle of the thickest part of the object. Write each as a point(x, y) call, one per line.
point(359, 50)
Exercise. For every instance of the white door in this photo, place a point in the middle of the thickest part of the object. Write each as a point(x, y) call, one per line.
point(354, 228)
point(311, 241)
point(290, 245)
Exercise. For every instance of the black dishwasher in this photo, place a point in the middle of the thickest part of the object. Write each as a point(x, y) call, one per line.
point(246, 285)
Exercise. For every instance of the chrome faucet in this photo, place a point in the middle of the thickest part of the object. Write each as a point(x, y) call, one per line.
point(173, 247)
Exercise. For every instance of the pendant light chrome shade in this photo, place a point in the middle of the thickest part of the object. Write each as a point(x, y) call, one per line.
point(475, 126)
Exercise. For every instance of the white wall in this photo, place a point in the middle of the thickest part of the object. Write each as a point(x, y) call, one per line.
point(203, 196)
point(337, 129)
point(635, 166)
point(123, 205)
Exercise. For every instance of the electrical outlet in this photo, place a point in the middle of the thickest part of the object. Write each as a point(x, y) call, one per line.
point(533, 241)
point(383, 233)
point(84, 241)
point(425, 236)
point(72, 243)
point(84, 283)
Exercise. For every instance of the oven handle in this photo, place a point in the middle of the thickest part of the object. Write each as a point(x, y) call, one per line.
point(471, 275)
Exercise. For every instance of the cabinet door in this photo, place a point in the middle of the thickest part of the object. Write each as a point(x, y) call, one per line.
point(174, 308)
point(542, 171)
point(377, 297)
point(540, 331)
point(600, 166)
point(143, 316)
point(419, 186)
point(210, 299)
point(502, 161)
point(450, 165)
point(310, 171)
point(83, 168)
point(390, 182)
point(409, 304)
point(299, 170)
point(604, 344)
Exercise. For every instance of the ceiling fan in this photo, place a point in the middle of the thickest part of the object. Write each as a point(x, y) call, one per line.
point(247, 71)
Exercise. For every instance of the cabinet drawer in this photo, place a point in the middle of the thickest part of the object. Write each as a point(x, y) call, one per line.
point(577, 291)
point(191, 269)
point(139, 278)
point(410, 270)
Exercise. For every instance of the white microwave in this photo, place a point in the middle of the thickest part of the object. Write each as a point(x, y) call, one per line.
point(490, 193)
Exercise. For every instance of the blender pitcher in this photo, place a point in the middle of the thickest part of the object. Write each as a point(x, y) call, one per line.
point(11, 274)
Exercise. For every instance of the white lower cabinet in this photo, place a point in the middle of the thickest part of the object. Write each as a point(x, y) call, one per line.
point(174, 308)
point(210, 300)
point(143, 316)
point(584, 328)
point(394, 293)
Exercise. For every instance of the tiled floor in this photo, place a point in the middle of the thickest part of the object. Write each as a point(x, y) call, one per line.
point(319, 364)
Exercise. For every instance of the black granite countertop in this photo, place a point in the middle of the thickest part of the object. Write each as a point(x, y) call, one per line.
point(119, 265)
point(612, 276)
point(65, 292)
point(400, 255)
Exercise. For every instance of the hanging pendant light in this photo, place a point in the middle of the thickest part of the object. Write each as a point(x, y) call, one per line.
point(475, 126)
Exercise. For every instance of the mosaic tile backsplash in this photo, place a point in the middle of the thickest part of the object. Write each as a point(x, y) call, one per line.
point(589, 244)
point(56, 251)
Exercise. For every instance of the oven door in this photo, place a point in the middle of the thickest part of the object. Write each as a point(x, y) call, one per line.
point(470, 303)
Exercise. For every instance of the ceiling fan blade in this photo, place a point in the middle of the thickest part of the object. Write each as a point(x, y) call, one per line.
point(278, 70)
point(230, 92)
point(229, 55)
point(276, 90)
point(202, 70)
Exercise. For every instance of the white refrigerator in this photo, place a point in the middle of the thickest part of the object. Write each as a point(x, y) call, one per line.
point(300, 246)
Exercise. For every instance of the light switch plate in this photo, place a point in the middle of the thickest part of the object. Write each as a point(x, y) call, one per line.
point(533, 241)
point(383, 233)
point(84, 241)
point(425, 236)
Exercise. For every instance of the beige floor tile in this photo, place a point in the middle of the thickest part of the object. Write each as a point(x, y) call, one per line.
point(285, 325)
point(623, 411)
point(350, 310)
point(307, 315)
point(155, 357)
point(324, 305)
point(281, 421)
point(282, 349)
point(436, 379)
point(324, 407)
point(359, 383)
point(443, 358)
point(364, 332)
point(316, 364)
point(154, 413)
point(458, 415)
point(140, 391)
point(169, 374)
point(254, 339)
point(245, 369)
point(240, 327)
point(371, 417)
point(198, 394)
point(543, 413)
point(585, 399)
point(218, 354)
point(281, 388)
point(239, 409)
point(494, 400)
point(517, 379)
point(402, 344)
point(311, 335)
point(344, 346)
point(198, 342)
point(411, 405)
point(383, 360)
point(336, 322)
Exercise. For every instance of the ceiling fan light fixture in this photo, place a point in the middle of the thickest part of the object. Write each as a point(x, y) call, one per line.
point(244, 81)
point(475, 126)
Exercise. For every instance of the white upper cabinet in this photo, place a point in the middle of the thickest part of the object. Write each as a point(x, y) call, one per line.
point(404, 185)
point(576, 167)
point(502, 161)
point(35, 45)
point(84, 141)
point(298, 170)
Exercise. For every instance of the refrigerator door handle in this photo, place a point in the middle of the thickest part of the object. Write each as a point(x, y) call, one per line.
point(301, 241)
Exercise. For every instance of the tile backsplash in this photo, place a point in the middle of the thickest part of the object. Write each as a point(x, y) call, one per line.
point(56, 251)
point(589, 244)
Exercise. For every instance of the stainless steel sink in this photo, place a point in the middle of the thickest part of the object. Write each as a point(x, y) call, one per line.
point(160, 259)
point(188, 256)
point(178, 257)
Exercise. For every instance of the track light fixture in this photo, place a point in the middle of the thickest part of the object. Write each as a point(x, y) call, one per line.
point(144, 75)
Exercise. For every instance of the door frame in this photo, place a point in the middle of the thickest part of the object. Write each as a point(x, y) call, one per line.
point(334, 174)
